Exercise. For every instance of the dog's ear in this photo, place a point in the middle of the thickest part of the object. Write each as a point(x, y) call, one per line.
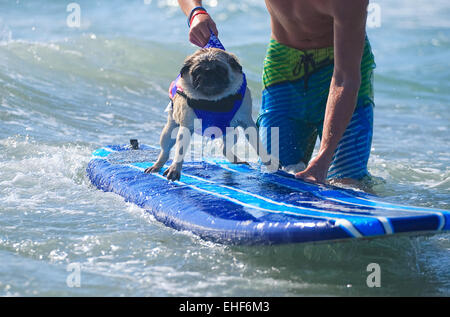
point(186, 67)
point(234, 63)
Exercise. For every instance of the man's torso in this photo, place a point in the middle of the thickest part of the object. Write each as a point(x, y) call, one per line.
point(301, 24)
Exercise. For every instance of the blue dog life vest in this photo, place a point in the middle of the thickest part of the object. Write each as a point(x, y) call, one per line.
point(207, 111)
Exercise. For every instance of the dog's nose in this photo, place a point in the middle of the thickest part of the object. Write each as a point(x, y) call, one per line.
point(212, 76)
point(211, 80)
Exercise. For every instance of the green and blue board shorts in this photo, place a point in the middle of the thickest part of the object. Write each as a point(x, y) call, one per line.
point(296, 86)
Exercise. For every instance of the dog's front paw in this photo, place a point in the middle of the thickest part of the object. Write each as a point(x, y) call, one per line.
point(152, 169)
point(172, 173)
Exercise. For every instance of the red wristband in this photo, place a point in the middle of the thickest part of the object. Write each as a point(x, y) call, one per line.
point(195, 14)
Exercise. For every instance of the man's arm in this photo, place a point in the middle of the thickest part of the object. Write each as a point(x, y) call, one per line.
point(201, 25)
point(349, 37)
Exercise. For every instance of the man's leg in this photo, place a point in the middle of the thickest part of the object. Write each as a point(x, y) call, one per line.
point(294, 99)
point(296, 138)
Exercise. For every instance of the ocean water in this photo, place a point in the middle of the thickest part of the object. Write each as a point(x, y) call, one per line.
point(65, 91)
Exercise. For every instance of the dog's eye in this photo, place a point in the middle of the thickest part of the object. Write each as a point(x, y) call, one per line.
point(184, 71)
point(196, 72)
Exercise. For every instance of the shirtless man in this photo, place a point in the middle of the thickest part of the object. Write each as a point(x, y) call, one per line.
point(318, 81)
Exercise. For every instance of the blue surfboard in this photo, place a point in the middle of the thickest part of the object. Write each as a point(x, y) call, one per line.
point(237, 204)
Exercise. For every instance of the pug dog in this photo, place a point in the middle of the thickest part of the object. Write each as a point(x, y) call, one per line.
point(212, 87)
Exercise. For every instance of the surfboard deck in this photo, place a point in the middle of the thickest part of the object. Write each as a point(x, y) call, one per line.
point(237, 204)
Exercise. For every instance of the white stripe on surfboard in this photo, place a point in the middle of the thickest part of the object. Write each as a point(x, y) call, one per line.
point(347, 225)
point(385, 222)
point(354, 231)
point(440, 215)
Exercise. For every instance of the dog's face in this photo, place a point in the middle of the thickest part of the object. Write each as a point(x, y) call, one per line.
point(211, 72)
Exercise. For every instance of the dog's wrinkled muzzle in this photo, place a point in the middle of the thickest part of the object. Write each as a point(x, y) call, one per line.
point(211, 80)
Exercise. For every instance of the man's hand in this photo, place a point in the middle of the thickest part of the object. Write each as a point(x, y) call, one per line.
point(315, 172)
point(200, 29)
point(201, 24)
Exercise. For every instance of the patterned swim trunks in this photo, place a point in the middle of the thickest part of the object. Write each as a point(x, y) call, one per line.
point(296, 86)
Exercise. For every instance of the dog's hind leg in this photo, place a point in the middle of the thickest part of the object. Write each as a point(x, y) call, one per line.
point(252, 135)
point(228, 142)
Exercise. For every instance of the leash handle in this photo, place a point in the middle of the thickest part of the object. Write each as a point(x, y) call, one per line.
point(214, 42)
